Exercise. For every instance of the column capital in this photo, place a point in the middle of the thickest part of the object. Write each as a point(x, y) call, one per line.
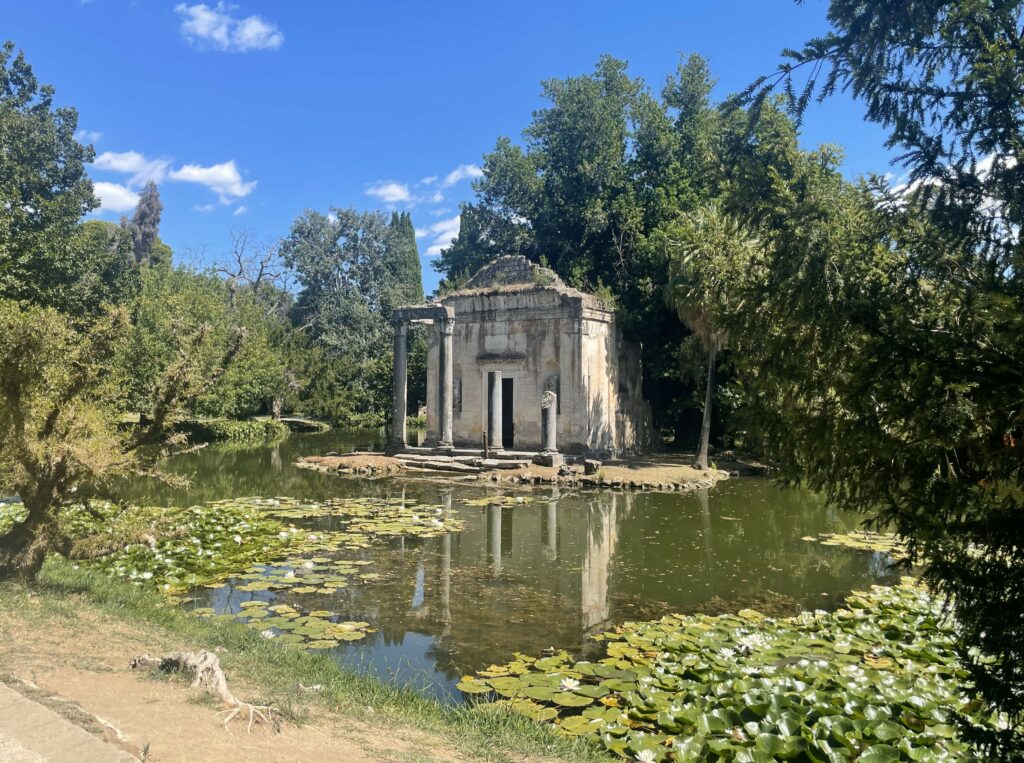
point(447, 325)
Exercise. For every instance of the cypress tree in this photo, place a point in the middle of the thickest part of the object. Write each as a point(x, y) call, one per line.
point(404, 261)
point(145, 223)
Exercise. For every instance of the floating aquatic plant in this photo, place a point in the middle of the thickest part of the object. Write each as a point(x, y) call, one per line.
point(317, 629)
point(865, 540)
point(877, 680)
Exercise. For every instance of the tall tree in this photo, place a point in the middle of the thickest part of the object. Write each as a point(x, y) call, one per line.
point(44, 190)
point(598, 170)
point(351, 277)
point(703, 245)
point(145, 223)
point(404, 260)
point(899, 388)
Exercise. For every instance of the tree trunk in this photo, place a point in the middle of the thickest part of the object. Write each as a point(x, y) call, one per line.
point(23, 549)
point(709, 397)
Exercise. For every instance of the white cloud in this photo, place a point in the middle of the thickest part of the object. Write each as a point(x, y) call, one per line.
point(390, 192)
point(114, 197)
point(134, 163)
point(441, 211)
point(217, 28)
point(441, 234)
point(240, 210)
point(461, 172)
point(223, 179)
point(429, 180)
point(88, 136)
point(205, 208)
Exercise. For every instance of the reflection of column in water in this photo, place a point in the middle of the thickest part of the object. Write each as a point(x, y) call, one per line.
point(446, 577)
point(275, 458)
point(494, 536)
point(602, 535)
point(508, 516)
point(401, 538)
point(705, 522)
point(549, 530)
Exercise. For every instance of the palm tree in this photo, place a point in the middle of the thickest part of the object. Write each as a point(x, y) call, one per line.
point(701, 247)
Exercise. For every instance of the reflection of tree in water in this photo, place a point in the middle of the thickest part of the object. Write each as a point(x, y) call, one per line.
point(548, 572)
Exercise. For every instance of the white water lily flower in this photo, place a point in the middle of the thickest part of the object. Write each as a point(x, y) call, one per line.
point(645, 756)
point(290, 574)
point(569, 684)
point(237, 539)
point(268, 633)
point(308, 565)
point(750, 643)
point(283, 534)
point(727, 653)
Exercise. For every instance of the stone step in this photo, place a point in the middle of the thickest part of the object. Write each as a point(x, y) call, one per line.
point(502, 463)
point(443, 466)
point(417, 457)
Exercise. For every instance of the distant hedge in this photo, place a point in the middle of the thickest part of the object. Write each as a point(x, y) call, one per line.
point(227, 430)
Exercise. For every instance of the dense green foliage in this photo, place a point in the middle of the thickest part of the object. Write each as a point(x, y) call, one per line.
point(601, 172)
point(876, 681)
point(227, 430)
point(354, 269)
point(878, 331)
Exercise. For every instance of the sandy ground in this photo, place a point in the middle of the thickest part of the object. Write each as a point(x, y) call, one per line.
point(79, 667)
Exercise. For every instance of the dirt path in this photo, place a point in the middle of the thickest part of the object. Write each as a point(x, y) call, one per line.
point(76, 663)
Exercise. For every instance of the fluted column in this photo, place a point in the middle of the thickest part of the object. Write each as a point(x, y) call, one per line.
point(399, 384)
point(494, 410)
point(446, 392)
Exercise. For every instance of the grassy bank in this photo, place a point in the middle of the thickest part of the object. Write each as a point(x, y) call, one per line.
point(228, 430)
point(277, 672)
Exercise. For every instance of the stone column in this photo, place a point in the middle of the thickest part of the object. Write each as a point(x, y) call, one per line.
point(548, 422)
point(445, 392)
point(399, 382)
point(494, 410)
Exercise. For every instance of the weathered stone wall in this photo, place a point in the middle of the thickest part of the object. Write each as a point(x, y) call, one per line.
point(518, 319)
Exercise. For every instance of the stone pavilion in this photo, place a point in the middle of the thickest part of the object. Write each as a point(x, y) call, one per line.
point(519, 361)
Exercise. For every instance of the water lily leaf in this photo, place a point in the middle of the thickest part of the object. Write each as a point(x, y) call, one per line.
point(471, 685)
point(577, 725)
point(879, 753)
point(541, 693)
point(322, 644)
point(570, 699)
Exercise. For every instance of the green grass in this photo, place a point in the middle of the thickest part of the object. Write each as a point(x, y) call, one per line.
point(276, 672)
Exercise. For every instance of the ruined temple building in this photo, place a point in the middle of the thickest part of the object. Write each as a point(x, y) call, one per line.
point(515, 339)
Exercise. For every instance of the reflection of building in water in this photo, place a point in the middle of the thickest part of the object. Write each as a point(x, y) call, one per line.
point(602, 538)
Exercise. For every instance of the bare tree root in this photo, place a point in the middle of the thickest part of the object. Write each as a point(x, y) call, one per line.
point(208, 676)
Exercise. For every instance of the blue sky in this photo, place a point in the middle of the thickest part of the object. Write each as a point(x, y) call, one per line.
point(249, 112)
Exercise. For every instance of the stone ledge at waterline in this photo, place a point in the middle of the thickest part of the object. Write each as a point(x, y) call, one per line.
point(659, 472)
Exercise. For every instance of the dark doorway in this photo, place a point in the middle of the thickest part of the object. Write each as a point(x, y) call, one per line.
point(508, 426)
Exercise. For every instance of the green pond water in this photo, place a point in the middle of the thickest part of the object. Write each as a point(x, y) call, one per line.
point(545, 573)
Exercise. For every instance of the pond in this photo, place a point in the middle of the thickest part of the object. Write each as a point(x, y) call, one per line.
point(545, 573)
